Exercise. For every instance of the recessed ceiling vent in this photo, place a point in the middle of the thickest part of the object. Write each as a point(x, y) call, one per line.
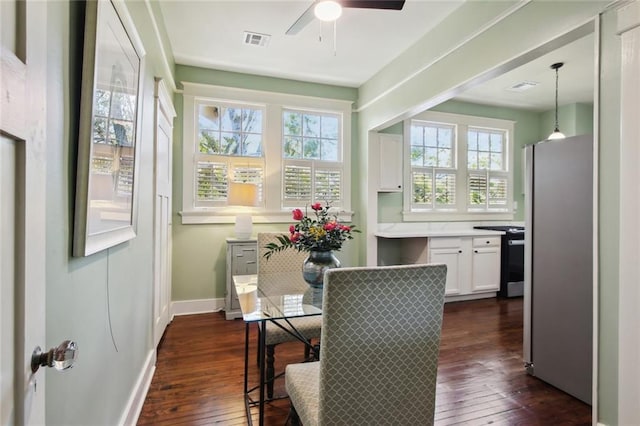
point(256, 39)
point(522, 86)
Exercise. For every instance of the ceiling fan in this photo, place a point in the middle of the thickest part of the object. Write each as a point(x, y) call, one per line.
point(310, 13)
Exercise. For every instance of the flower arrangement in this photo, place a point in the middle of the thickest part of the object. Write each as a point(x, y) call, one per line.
point(322, 233)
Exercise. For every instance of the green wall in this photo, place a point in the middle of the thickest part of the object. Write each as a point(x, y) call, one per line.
point(199, 251)
point(102, 301)
point(573, 119)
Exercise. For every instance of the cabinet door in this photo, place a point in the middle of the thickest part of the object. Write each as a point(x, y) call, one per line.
point(486, 269)
point(390, 164)
point(243, 262)
point(450, 257)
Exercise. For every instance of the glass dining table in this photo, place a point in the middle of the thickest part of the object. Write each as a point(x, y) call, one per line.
point(275, 297)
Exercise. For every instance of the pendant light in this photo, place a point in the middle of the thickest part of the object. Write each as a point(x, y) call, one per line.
point(557, 134)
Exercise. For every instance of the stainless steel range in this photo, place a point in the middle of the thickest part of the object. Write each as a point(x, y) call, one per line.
point(511, 260)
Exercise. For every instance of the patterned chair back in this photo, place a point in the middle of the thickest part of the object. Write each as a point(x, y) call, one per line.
point(380, 344)
point(289, 260)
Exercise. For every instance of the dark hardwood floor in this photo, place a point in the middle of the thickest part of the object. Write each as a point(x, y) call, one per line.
point(481, 378)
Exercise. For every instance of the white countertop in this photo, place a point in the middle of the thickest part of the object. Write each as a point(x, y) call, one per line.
point(426, 230)
point(443, 233)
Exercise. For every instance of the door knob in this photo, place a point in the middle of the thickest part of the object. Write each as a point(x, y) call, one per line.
point(60, 358)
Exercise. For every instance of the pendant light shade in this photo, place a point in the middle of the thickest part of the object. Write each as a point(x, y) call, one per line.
point(557, 134)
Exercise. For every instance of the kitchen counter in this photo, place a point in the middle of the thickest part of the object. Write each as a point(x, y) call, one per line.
point(437, 233)
point(433, 229)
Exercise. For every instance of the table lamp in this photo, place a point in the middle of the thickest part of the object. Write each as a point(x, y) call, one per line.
point(243, 194)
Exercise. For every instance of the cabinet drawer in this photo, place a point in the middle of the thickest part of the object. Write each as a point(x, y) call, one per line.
point(486, 241)
point(445, 242)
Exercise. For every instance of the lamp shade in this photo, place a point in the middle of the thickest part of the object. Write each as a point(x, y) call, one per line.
point(243, 194)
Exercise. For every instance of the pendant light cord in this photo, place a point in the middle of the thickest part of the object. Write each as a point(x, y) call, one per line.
point(557, 99)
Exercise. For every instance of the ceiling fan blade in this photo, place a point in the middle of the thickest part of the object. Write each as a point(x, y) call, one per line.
point(373, 4)
point(302, 21)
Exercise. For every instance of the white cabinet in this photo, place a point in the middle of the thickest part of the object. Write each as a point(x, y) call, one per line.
point(473, 265)
point(390, 164)
point(450, 252)
point(486, 264)
point(241, 260)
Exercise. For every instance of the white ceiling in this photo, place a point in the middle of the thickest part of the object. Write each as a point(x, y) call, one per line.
point(210, 34)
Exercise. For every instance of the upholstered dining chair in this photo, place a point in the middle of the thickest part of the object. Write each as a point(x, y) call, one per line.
point(309, 327)
point(380, 345)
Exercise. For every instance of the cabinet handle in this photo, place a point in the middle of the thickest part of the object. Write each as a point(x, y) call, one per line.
point(475, 251)
point(250, 262)
point(459, 251)
point(488, 242)
point(399, 186)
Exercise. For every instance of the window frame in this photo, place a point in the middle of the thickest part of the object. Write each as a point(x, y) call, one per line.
point(462, 210)
point(272, 211)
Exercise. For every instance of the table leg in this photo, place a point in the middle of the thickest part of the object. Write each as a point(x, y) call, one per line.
point(262, 345)
point(246, 373)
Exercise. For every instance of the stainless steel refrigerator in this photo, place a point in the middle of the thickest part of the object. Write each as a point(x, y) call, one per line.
point(558, 294)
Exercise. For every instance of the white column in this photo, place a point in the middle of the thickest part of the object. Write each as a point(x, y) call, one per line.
point(629, 312)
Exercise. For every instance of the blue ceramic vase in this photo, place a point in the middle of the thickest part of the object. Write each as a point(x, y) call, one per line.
point(316, 264)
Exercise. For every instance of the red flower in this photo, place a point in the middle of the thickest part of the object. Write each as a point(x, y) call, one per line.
point(329, 226)
point(316, 206)
point(295, 237)
point(292, 229)
point(297, 214)
point(345, 228)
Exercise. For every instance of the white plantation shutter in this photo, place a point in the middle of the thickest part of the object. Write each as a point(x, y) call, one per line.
point(422, 189)
point(306, 184)
point(297, 185)
point(211, 183)
point(433, 188)
point(488, 190)
point(125, 176)
point(477, 189)
point(498, 191)
point(445, 189)
point(328, 184)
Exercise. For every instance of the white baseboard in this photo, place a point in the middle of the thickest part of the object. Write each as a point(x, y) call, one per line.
point(199, 306)
point(136, 399)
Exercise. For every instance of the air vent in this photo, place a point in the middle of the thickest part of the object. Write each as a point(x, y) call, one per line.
point(522, 86)
point(256, 39)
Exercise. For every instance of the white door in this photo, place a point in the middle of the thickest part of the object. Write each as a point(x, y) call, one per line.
point(164, 114)
point(22, 212)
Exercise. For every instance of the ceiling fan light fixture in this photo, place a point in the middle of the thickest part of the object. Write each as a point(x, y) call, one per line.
point(327, 10)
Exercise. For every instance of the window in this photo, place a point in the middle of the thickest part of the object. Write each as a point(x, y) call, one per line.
point(460, 166)
point(487, 168)
point(229, 139)
point(293, 147)
point(311, 152)
point(433, 173)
